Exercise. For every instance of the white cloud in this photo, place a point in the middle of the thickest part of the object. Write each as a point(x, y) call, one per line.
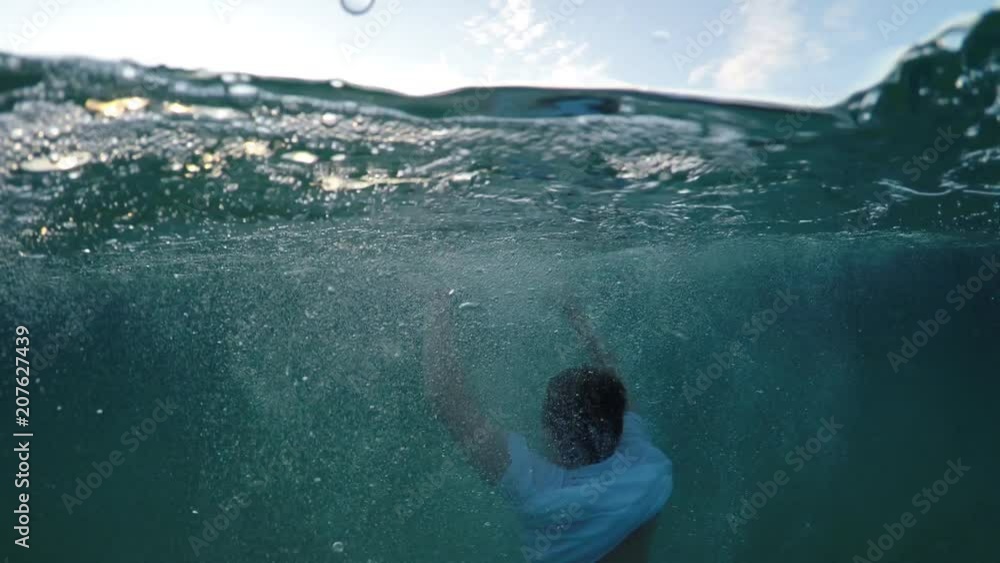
point(701, 72)
point(517, 33)
point(768, 39)
point(817, 51)
point(511, 29)
point(839, 15)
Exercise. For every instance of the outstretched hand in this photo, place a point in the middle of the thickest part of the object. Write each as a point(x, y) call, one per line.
point(453, 402)
point(441, 298)
point(571, 308)
point(578, 318)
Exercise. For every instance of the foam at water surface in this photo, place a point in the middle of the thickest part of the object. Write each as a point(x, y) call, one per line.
point(97, 152)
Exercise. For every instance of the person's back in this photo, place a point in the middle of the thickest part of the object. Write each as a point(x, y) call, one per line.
point(605, 480)
point(636, 546)
point(597, 495)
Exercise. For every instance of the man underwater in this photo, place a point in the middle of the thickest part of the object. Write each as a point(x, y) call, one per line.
point(597, 495)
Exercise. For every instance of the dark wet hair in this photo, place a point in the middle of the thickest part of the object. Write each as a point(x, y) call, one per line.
point(584, 410)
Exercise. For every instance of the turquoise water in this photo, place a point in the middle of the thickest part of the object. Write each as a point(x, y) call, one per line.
point(257, 255)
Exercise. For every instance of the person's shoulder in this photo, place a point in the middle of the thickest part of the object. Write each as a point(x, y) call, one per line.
point(637, 440)
point(528, 472)
point(634, 425)
point(634, 417)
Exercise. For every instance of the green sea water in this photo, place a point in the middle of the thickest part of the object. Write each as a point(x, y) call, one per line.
point(249, 261)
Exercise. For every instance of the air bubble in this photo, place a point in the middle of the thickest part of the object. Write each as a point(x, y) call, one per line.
point(338, 546)
point(357, 7)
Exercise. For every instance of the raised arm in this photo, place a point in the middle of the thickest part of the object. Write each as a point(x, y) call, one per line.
point(453, 402)
point(596, 350)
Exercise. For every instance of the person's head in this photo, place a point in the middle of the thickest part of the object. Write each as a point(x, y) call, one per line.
point(583, 414)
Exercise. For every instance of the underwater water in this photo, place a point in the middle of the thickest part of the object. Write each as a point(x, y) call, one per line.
point(248, 260)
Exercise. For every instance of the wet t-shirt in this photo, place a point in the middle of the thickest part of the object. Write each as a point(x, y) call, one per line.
point(579, 515)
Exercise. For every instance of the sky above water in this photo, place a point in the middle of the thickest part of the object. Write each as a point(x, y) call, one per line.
point(797, 51)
